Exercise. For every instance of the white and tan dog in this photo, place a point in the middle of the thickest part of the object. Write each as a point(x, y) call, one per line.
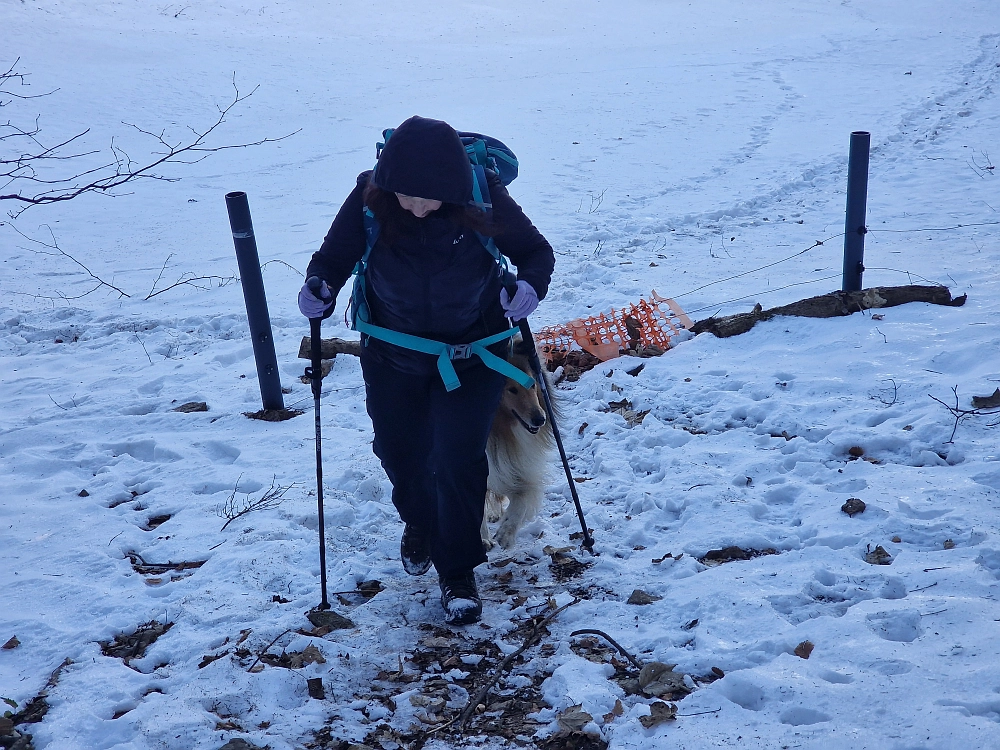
point(519, 450)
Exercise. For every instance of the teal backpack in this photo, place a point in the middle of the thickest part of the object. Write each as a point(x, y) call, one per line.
point(485, 153)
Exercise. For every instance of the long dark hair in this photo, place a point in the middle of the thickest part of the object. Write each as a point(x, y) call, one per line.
point(393, 218)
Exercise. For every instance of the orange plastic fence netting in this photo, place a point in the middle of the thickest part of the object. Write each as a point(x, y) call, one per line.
point(644, 325)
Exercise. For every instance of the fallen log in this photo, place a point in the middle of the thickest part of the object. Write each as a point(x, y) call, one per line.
point(833, 305)
point(329, 348)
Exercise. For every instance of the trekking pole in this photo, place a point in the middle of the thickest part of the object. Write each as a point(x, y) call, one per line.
point(316, 375)
point(510, 284)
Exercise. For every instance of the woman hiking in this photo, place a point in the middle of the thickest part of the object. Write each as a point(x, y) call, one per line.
point(428, 275)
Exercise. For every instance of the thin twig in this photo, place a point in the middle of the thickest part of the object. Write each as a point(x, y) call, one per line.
point(261, 654)
point(270, 499)
point(221, 281)
point(590, 631)
point(59, 251)
point(702, 713)
point(159, 275)
point(64, 408)
point(135, 332)
point(266, 263)
point(885, 400)
point(532, 638)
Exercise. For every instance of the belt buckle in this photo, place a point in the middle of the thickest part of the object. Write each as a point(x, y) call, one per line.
point(459, 351)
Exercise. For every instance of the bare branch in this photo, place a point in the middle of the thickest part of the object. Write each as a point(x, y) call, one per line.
point(9, 76)
point(959, 413)
point(60, 252)
point(195, 281)
point(30, 189)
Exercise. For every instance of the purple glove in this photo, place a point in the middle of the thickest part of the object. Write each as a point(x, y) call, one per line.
point(312, 307)
point(524, 303)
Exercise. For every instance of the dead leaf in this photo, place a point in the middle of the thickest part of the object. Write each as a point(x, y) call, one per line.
point(948, 544)
point(729, 554)
point(987, 402)
point(615, 712)
point(311, 654)
point(878, 556)
point(804, 649)
point(659, 679)
point(191, 407)
point(574, 718)
point(295, 659)
point(12, 643)
point(433, 703)
point(209, 658)
point(437, 642)
point(368, 589)
point(658, 560)
point(853, 506)
point(326, 618)
point(641, 597)
point(653, 671)
point(659, 713)
point(551, 551)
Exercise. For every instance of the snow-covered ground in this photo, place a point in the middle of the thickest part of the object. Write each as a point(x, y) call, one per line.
point(664, 145)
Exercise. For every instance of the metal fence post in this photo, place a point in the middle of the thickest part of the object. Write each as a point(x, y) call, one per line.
point(857, 199)
point(253, 295)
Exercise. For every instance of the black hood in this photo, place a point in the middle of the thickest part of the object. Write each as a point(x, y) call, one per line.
point(425, 158)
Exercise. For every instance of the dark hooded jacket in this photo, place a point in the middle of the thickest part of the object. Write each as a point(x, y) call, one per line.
point(434, 279)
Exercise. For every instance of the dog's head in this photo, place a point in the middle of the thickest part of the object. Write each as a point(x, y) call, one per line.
point(525, 404)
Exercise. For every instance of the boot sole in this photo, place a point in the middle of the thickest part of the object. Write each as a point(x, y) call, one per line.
point(416, 570)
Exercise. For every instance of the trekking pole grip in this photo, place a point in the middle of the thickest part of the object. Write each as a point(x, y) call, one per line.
point(315, 284)
point(509, 282)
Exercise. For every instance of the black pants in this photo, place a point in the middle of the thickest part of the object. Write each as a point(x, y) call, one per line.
point(432, 444)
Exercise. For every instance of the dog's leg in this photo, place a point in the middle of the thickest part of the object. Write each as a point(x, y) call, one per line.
point(523, 506)
point(484, 530)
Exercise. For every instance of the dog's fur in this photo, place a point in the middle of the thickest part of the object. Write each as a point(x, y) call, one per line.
point(519, 452)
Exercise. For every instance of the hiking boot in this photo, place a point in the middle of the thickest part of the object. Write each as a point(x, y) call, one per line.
point(415, 550)
point(460, 598)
